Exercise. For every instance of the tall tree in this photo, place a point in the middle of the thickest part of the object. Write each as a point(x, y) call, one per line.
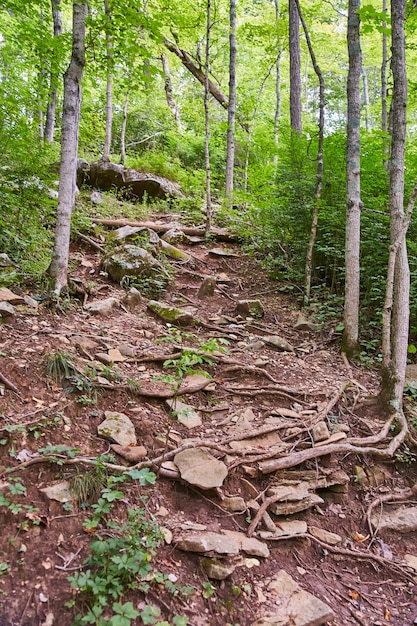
point(353, 189)
point(396, 307)
point(320, 161)
point(295, 68)
point(277, 83)
point(168, 91)
point(51, 106)
point(207, 121)
point(69, 147)
point(109, 83)
point(231, 109)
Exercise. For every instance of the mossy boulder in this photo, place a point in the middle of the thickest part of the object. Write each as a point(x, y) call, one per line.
point(132, 262)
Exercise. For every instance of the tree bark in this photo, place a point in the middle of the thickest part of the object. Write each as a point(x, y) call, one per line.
point(231, 109)
point(353, 189)
point(168, 91)
point(277, 113)
point(109, 84)
point(396, 308)
point(51, 106)
point(69, 146)
point(123, 129)
point(384, 89)
point(368, 121)
point(320, 162)
point(295, 71)
point(207, 121)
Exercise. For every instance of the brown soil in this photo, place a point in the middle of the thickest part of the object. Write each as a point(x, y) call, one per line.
point(357, 588)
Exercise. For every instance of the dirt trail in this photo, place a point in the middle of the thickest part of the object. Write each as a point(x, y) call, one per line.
point(263, 404)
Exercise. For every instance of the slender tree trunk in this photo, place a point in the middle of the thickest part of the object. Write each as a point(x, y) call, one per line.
point(51, 106)
point(123, 130)
point(207, 121)
point(353, 189)
point(109, 84)
point(295, 71)
point(320, 162)
point(69, 146)
point(231, 110)
point(168, 91)
point(396, 308)
point(277, 114)
point(368, 124)
point(384, 89)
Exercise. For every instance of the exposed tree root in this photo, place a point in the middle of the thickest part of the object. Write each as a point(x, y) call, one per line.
point(8, 384)
point(406, 494)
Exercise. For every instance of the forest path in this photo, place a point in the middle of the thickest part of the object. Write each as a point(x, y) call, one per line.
point(279, 392)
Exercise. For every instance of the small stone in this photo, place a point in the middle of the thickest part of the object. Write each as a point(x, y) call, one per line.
point(304, 323)
point(171, 314)
point(208, 542)
point(234, 504)
point(216, 570)
point(102, 307)
point(119, 428)
point(6, 295)
point(184, 413)
point(104, 358)
point(207, 287)
point(130, 453)
point(7, 310)
point(411, 561)
point(251, 308)
point(167, 535)
point(279, 343)
point(116, 356)
point(255, 346)
point(132, 299)
point(324, 535)
point(334, 438)
point(126, 350)
point(59, 492)
point(96, 197)
point(402, 520)
point(320, 432)
point(198, 467)
point(286, 529)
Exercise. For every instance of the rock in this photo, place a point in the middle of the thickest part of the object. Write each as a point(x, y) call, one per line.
point(59, 492)
point(102, 307)
point(222, 252)
point(286, 529)
point(8, 296)
point(289, 508)
point(175, 235)
point(402, 520)
point(184, 413)
point(124, 233)
point(286, 413)
point(96, 197)
point(105, 175)
point(251, 308)
point(208, 542)
point(216, 570)
point(134, 454)
point(207, 287)
point(30, 302)
point(104, 358)
point(320, 432)
point(116, 356)
point(234, 504)
point(171, 314)
point(53, 194)
point(279, 343)
point(167, 534)
point(295, 605)
point(250, 545)
point(411, 561)
point(118, 428)
point(255, 346)
point(303, 323)
point(262, 442)
point(6, 311)
point(129, 262)
point(324, 535)
point(132, 299)
point(198, 467)
point(126, 350)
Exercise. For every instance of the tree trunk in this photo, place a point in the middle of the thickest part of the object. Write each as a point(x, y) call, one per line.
point(353, 189)
point(109, 84)
point(396, 308)
point(207, 122)
point(368, 121)
point(320, 162)
point(384, 89)
point(168, 91)
point(51, 106)
point(295, 71)
point(123, 130)
point(277, 86)
point(69, 146)
point(231, 110)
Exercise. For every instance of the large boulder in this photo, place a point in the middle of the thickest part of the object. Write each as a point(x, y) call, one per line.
point(132, 262)
point(105, 175)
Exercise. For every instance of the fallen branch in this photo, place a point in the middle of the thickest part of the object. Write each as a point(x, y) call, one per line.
point(8, 384)
point(90, 241)
point(193, 231)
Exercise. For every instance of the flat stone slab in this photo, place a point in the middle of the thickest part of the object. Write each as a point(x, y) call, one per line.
point(6, 295)
point(208, 542)
point(295, 606)
point(198, 467)
point(184, 413)
point(402, 520)
point(286, 529)
point(118, 428)
point(250, 545)
point(279, 343)
point(102, 307)
point(324, 535)
point(59, 492)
